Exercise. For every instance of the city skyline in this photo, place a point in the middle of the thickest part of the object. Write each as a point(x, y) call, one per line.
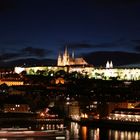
point(97, 31)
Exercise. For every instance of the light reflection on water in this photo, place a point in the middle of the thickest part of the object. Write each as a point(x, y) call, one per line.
point(77, 132)
point(74, 130)
point(124, 135)
point(25, 138)
point(85, 133)
point(82, 133)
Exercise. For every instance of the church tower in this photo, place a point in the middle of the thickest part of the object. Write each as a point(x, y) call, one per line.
point(111, 64)
point(66, 57)
point(72, 54)
point(59, 60)
point(107, 65)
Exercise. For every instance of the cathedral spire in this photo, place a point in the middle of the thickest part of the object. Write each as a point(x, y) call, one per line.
point(59, 60)
point(66, 51)
point(72, 54)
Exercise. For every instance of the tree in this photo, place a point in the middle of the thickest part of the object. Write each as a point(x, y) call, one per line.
point(31, 71)
point(60, 73)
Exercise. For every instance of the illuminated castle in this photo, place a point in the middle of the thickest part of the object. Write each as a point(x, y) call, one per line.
point(81, 66)
point(67, 60)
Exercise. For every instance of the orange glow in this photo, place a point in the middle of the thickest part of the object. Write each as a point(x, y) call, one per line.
point(42, 114)
point(84, 115)
point(84, 132)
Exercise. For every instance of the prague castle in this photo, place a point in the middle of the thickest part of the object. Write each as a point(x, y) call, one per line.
point(67, 60)
point(71, 64)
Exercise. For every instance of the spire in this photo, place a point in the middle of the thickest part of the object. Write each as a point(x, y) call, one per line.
point(107, 65)
point(59, 55)
point(66, 51)
point(66, 57)
point(111, 64)
point(72, 54)
point(59, 60)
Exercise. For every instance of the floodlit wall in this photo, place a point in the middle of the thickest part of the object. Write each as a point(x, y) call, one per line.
point(120, 74)
point(16, 108)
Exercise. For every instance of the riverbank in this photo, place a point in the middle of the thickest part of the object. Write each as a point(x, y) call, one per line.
point(28, 120)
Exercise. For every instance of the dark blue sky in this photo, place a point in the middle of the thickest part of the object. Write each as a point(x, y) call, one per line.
point(41, 28)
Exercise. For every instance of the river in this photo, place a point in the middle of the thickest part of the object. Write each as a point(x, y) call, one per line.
point(77, 132)
point(87, 133)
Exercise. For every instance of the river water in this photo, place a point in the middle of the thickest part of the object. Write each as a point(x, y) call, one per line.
point(85, 133)
point(77, 132)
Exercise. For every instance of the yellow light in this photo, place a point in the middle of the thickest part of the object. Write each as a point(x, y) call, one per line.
point(42, 114)
point(42, 128)
point(86, 116)
point(82, 115)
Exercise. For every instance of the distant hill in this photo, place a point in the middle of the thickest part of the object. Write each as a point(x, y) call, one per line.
point(28, 62)
point(118, 58)
point(95, 58)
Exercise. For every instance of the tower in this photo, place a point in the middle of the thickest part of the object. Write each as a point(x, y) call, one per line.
point(59, 60)
point(111, 64)
point(72, 54)
point(65, 57)
point(107, 65)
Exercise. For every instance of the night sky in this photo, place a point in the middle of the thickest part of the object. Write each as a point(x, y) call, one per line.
point(98, 30)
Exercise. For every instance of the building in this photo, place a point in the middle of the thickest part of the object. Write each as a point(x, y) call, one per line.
point(67, 60)
point(12, 82)
point(11, 79)
point(125, 114)
point(16, 108)
point(71, 64)
point(15, 104)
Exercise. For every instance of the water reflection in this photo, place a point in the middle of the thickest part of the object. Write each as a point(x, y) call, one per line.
point(77, 132)
point(38, 138)
point(82, 133)
point(123, 135)
point(74, 130)
point(85, 133)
